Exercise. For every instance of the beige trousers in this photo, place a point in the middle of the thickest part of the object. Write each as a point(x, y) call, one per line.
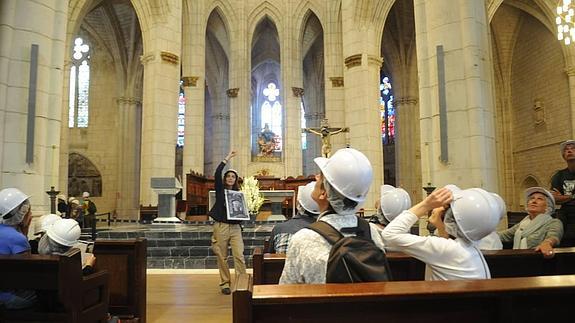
point(228, 234)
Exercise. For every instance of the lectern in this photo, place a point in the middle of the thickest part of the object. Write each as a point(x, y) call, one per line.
point(167, 188)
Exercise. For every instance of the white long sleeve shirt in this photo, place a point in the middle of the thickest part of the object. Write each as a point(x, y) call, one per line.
point(446, 259)
point(308, 252)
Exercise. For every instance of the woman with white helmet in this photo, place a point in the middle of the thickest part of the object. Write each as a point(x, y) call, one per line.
point(340, 189)
point(60, 237)
point(469, 215)
point(538, 230)
point(15, 217)
point(226, 233)
point(392, 201)
point(40, 229)
point(307, 211)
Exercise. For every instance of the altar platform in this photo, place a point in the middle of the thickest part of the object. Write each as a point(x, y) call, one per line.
point(183, 246)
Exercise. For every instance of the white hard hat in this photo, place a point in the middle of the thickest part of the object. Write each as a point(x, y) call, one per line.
point(349, 172)
point(393, 201)
point(85, 194)
point(453, 188)
point(548, 195)
point(304, 198)
point(10, 198)
point(73, 200)
point(46, 221)
point(500, 205)
point(65, 232)
point(476, 212)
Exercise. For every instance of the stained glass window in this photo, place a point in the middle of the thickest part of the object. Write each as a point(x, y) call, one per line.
point(181, 117)
point(303, 126)
point(387, 111)
point(271, 114)
point(78, 106)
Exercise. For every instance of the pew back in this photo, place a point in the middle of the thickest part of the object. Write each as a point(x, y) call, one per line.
point(126, 261)
point(79, 298)
point(502, 263)
point(523, 299)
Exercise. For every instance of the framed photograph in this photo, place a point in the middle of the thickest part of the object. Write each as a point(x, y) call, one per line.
point(236, 206)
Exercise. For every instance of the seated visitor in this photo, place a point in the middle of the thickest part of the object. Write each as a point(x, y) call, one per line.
point(466, 216)
point(60, 237)
point(41, 226)
point(307, 211)
point(489, 242)
point(538, 230)
point(340, 188)
point(15, 217)
point(392, 202)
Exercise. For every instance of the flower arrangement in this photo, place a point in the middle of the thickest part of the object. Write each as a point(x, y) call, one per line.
point(251, 190)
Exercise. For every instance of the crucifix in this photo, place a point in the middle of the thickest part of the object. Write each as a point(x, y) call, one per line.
point(325, 132)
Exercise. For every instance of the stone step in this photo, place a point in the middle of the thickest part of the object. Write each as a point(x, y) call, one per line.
point(191, 262)
point(195, 251)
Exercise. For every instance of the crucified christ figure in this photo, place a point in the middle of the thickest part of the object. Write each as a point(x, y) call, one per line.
point(325, 132)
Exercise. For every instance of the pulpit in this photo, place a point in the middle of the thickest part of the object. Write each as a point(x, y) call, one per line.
point(167, 188)
point(275, 197)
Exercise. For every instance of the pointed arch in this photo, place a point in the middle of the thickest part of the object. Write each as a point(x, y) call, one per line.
point(261, 12)
point(83, 176)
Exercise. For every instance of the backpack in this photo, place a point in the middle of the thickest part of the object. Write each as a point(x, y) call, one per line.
point(355, 258)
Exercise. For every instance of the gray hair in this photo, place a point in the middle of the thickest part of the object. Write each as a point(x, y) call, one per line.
point(16, 216)
point(47, 246)
point(339, 203)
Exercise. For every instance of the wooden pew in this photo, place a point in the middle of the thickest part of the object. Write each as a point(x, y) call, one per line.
point(267, 268)
point(126, 261)
point(522, 299)
point(64, 294)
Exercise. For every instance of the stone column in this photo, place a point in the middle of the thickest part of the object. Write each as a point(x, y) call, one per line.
point(461, 27)
point(570, 70)
point(129, 110)
point(161, 61)
point(17, 33)
point(407, 147)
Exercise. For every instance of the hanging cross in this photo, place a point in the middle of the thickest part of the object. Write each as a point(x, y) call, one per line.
point(325, 131)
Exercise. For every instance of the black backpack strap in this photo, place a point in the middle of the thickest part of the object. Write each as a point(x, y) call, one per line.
point(328, 232)
point(364, 227)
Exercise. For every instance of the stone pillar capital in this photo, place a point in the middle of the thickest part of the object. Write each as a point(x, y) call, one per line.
point(233, 93)
point(353, 60)
point(190, 81)
point(147, 57)
point(375, 60)
point(336, 81)
point(169, 57)
point(128, 100)
point(397, 102)
point(297, 92)
point(570, 70)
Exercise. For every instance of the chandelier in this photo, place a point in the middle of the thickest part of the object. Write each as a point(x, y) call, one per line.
point(565, 21)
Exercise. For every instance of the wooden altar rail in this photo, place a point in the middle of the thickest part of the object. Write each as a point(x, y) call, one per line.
point(198, 186)
point(521, 299)
point(267, 268)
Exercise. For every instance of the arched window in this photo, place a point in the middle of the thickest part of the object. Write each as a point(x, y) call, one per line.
point(181, 116)
point(387, 111)
point(271, 115)
point(303, 125)
point(79, 85)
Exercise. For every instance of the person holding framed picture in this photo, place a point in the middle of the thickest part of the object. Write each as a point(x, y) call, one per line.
point(227, 232)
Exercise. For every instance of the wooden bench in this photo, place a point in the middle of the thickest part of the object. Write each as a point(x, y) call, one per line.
point(267, 268)
point(522, 299)
point(68, 296)
point(125, 261)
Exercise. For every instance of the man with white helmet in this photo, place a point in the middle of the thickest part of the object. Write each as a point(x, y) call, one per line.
point(538, 230)
point(307, 211)
point(469, 215)
point(340, 188)
point(15, 217)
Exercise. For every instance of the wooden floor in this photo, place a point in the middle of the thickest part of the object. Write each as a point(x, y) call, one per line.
point(180, 296)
